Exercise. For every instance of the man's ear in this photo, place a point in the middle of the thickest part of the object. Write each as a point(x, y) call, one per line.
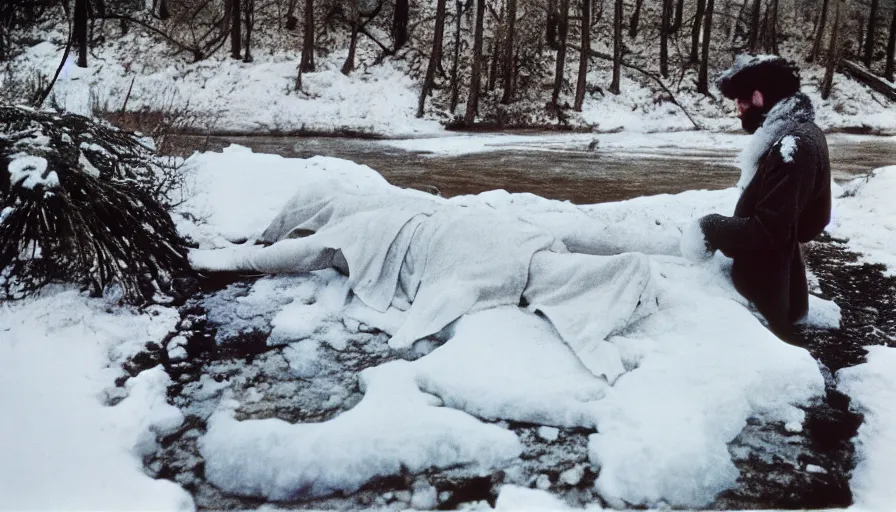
point(758, 99)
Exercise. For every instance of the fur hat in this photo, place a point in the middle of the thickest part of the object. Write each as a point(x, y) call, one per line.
point(775, 77)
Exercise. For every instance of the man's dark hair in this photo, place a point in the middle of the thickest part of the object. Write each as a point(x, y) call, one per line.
point(775, 77)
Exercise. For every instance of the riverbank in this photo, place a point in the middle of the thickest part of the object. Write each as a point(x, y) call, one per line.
point(221, 95)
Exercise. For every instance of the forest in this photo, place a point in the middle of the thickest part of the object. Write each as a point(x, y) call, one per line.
point(491, 61)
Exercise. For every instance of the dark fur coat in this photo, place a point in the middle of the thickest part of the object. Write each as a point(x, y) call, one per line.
point(786, 201)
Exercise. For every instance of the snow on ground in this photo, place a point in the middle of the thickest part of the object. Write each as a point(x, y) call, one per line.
point(695, 371)
point(866, 215)
point(691, 383)
point(62, 446)
point(232, 96)
point(872, 387)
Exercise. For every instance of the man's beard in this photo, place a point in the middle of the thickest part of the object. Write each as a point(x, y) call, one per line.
point(752, 119)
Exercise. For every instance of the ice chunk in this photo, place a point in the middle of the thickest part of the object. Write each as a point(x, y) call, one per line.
point(515, 498)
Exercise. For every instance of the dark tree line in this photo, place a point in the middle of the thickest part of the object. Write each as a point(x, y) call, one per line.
point(501, 51)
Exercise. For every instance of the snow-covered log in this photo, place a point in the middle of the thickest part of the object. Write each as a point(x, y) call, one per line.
point(82, 202)
point(865, 76)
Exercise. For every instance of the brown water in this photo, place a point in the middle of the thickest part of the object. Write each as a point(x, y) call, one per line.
point(574, 174)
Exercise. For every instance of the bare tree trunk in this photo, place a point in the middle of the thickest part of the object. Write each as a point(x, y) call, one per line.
point(164, 13)
point(703, 75)
point(860, 41)
point(771, 34)
point(695, 31)
point(550, 34)
point(476, 75)
point(636, 17)
point(455, 85)
point(349, 65)
point(434, 59)
point(869, 34)
point(292, 22)
point(400, 24)
point(2, 38)
point(508, 52)
point(235, 32)
point(617, 46)
point(819, 32)
point(80, 29)
point(497, 37)
point(249, 8)
point(664, 38)
point(754, 25)
point(563, 32)
point(679, 12)
point(307, 65)
point(583, 55)
point(891, 49)
point(833, 54)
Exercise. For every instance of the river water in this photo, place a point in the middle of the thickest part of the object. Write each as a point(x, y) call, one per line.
point(581, 168)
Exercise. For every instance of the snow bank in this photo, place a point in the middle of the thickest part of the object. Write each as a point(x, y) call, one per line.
point(62, 447)
point(866, 215)
point(701, 367)
point(872, 387)
point(394, 428)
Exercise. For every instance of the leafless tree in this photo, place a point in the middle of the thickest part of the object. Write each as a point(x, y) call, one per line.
point(695, 31)
point(833, 53)
point(455, 85)
point(617, 46)
point(891, 48)
point(703, 74)
point(80, 31)
point(664, 38)
point(435, 57)
point(400, 24)
point(819, 32)
point(870, 33)
point(583, 55)
point(635, 19)
point(563, 33)
point(476, 75)
point(508, 51)
point(236, 17)
point(754, 25)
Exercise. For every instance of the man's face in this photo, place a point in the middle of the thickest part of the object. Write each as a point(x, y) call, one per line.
point(751, 111)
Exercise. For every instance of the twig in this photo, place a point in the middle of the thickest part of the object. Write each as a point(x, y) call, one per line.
point(124, 105)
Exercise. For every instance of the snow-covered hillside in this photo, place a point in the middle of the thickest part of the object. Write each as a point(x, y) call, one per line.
point(227, 95)
point(275, 389)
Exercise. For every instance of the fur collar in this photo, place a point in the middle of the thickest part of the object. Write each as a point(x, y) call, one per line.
point(786, 115)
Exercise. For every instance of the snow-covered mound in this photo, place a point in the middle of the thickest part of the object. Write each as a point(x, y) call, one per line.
point(872, 387)
point(695, 371)
point(62, 448)
point(866, 215)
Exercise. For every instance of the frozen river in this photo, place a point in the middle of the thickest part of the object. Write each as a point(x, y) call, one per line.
point(582, 168)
